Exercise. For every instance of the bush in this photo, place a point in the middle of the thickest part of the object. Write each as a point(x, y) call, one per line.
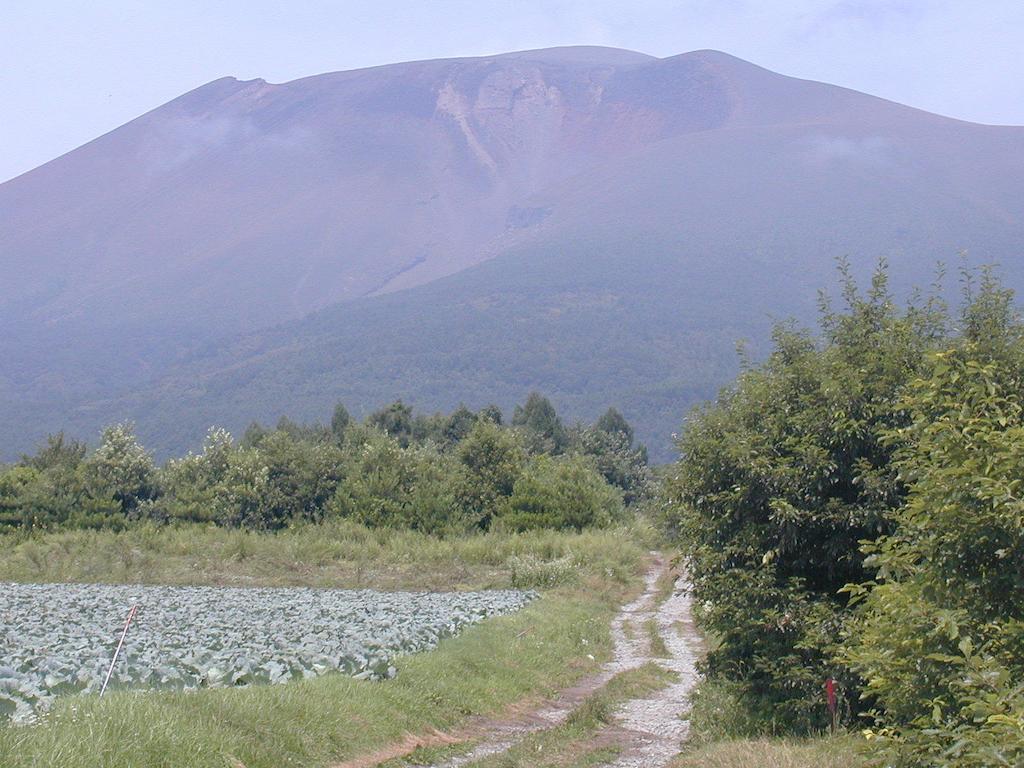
point(780, 481)
point(940, 640)
point(391, 487)
point(563, 492)
point(491, 460)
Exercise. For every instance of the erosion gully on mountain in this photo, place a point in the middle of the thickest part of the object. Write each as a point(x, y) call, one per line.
point(647, 732)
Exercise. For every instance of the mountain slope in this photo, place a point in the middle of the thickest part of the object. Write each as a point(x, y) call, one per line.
point(629, 218)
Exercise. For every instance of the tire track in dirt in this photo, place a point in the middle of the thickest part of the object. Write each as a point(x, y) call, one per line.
point(648, 731)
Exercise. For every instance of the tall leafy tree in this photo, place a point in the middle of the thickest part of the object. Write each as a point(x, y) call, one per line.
point(340, 419)
point(395, 420)
point(121, 469)
point(538, 421)
point(491, 459)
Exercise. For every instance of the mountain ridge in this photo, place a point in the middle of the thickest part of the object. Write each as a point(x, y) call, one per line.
point(580, 182)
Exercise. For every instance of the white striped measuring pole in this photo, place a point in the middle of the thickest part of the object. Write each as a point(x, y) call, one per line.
point(124, 633)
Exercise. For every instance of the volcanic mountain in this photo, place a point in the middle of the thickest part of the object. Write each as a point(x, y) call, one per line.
point(595, 223)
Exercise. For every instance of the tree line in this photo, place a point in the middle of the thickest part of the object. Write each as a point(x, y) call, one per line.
point(852, 510)
point(440, 473)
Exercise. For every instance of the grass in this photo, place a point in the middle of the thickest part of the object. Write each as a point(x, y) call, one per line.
point(658, 647)
point(334, 554)
point(665, 585)
point(822, 752)
point(726, 734)
point(319, 722)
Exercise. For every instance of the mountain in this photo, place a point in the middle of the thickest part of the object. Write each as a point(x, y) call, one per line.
point(595, 223)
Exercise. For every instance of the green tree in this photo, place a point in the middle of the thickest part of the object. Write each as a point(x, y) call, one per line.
point(59, 452)
point(779, 482)
point(340, 419)
point(609, 444)
point(458, 425)
point(302, 476)
point(940, 640)
point(121, 469)
point(189, 484)
point(561, 492)
point(389, 486)
point(242, 498)
point(490, 460)
point(538, 421)
point(491, 413)
point(614, 423)
point(395, 420)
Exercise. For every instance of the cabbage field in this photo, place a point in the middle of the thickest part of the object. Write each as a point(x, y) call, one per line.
point(58, 639)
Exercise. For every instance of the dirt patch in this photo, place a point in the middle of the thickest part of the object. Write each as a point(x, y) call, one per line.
point(403, 748)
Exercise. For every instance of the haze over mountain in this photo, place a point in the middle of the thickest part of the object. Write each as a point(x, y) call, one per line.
point(594, 223)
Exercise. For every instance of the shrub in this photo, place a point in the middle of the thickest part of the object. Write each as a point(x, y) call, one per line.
point(393, 487)
point(940, 640)
point(779, 482)
point(562, 492)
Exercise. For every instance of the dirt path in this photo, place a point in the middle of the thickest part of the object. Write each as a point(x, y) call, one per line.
point(648, 731)
point(653, 727)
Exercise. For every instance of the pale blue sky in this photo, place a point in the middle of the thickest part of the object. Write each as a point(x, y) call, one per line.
point(71, 70)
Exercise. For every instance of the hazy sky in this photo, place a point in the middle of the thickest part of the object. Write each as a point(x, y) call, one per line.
point(71, 70)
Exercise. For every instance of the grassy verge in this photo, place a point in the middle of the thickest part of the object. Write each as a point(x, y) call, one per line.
point(319, 722)
point(726, 734)
point(823, 752)
point(338, 554)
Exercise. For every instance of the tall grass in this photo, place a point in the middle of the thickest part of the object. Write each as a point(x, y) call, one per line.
point(725, 733)
point(822, 752)
point(336, 553)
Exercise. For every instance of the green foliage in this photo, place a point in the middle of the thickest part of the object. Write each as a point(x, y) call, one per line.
point(561, 492)
point(59, 452)
point(613, 423)
point(436, 473)
point(340, 420)
point(121, 469)
point(940, 641)
point(391, 487)
point(394, 420)
point(615, 457)
point(459, 425)
point(779, 482)
point(852, 509)
point(539, 423)
point(491, 459)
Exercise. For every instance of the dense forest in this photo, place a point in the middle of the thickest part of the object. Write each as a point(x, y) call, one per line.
point(433, 473)
point(851, 511)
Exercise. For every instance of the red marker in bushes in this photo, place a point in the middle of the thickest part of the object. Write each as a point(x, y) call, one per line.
point(830, 698)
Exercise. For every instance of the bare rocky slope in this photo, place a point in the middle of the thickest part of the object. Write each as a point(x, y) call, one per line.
point(591, 222)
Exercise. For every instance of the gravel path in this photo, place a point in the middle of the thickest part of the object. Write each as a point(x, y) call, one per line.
point(654, 727)
point(649, 731)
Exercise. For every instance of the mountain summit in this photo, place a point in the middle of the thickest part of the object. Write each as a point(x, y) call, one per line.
point(520, 202)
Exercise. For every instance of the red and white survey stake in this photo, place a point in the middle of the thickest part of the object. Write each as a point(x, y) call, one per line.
point(124, 633)
point(830, 699)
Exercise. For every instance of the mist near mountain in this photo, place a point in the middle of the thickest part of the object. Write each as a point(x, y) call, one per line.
point(594, 223)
